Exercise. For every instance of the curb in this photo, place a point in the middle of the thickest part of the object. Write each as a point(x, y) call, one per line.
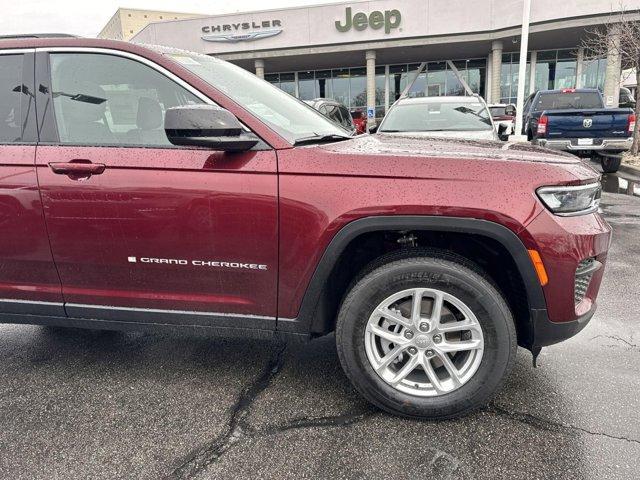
point(628, 169)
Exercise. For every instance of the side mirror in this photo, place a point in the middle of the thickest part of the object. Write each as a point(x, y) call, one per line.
point(207, 126)
point(374, 128)
point(510, 110)
point(502, 128)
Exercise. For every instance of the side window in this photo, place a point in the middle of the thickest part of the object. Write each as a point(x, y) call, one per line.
point(103, 99)
point(11, 91)
point(334, 114)
point(346, 117)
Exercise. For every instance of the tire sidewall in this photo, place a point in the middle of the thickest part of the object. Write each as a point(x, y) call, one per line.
point(474, 291)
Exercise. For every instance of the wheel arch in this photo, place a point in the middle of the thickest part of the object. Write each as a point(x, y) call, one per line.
point(313, 318)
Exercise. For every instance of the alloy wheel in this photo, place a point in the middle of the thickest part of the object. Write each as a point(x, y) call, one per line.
point(424, 342)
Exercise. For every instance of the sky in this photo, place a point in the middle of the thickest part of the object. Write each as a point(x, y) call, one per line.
point(87, 17)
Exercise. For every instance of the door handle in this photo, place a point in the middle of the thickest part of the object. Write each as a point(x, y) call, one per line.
point(81, 168)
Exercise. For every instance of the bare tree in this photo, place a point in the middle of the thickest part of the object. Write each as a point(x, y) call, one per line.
point(619, 37)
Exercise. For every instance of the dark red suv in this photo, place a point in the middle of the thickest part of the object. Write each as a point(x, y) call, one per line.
point(153, 188)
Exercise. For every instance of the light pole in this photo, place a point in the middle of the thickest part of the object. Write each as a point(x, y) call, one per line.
point(522, 70)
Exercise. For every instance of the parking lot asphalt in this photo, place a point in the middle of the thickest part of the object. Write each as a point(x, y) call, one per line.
point(88, 404)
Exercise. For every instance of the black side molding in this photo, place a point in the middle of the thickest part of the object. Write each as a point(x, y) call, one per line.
point(495, 231)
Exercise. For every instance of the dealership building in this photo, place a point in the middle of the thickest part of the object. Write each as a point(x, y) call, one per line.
point(366, 53)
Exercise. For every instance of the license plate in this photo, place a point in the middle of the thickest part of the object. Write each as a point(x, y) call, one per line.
point(585, 141)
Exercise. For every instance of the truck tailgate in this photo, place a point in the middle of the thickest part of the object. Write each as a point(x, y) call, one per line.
point(596, 123)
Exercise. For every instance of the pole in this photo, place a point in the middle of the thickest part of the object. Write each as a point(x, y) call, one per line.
point(522, 68)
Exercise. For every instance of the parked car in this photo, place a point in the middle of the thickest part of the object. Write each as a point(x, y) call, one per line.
point(576, 121)
point(334, 111)
point(359, 120)
point(626, 98)
point(156, 189)
point(447, 117)
point(504, 118)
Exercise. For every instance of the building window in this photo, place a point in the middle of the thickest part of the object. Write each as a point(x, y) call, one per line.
point(509, 77)
point(357, 87)
point(306, 86)
point(438, 78)
point(593, 71)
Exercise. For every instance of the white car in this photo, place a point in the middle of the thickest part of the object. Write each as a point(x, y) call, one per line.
point(452, 117)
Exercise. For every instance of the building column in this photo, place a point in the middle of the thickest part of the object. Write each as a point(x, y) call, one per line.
point(487, 81)
point(259, 66)
point(386, 88)
point(614, 70)
point(579, 67)
point(496, 70)
point(532, 72)
point(370, 55)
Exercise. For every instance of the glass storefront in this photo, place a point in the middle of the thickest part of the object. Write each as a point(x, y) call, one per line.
point(554, 69)
point(346, 85)
point(349, 85)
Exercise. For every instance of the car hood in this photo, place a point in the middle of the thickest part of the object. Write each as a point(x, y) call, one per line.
point(385, 144)
point(468, 135)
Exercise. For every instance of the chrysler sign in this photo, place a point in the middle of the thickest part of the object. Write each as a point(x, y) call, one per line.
point(241, 31)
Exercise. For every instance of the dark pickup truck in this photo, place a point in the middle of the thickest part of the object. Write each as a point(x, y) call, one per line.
point(576, 121)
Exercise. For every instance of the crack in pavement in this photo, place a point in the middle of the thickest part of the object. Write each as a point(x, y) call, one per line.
point(550, 425)
point(618, 339)
point(238, 429)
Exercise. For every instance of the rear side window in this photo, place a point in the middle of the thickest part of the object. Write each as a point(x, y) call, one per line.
point(102, 99)
point(346, 117)
point(11, 92)
point(333, 113)
point(568, 101)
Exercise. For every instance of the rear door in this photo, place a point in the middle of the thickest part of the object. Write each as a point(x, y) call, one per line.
point(142, 230)
point(29, 283)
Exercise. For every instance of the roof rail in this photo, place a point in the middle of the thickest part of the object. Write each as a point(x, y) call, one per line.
point(38, 35)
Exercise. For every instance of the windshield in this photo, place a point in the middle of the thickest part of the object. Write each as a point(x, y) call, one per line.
point(498, 111)
point(437, 116)
point(291, 118)
point(567, 101)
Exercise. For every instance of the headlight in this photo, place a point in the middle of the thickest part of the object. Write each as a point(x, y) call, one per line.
point(571, 200)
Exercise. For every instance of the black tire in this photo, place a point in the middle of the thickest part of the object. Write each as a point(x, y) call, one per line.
point(446, 272)
point(610, 164)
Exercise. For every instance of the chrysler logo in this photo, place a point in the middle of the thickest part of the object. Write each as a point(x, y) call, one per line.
point(242, 37)
point(587, 122)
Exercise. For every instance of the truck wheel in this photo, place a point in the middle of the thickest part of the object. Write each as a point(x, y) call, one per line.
point(426, 337)
point(610, 164)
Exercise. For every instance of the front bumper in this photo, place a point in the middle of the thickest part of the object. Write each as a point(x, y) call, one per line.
point(571, 144)
point(566, 245)
point(545, 332)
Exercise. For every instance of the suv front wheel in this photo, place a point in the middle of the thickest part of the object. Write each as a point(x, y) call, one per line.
point(426, 336)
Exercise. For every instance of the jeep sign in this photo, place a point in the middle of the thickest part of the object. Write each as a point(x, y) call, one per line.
point(376, 20)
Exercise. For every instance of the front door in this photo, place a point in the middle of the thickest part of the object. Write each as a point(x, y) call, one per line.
point(142, 231)
point(29, 283)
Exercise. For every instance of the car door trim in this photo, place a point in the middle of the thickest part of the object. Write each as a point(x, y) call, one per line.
point(167, 316)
